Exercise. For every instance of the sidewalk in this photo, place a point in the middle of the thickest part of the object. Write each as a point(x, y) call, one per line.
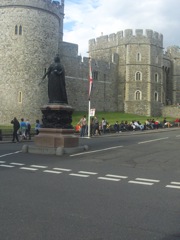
point(126, 133)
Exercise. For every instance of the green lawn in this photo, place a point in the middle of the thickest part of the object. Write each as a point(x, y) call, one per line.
point(112, 117)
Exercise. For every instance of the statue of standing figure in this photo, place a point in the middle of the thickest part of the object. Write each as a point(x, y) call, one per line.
point(56, 82)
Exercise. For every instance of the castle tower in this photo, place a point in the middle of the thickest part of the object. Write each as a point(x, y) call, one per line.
point(140, 61)
point(31, 31)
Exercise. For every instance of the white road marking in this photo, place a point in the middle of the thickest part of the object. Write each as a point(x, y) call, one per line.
point(178, 136)
point(173, 186)
point(8, 154)
point(29, 169)
point(78, 175)
point(116, 176)
point(110, 179)
point(143, 183)
point(154, 140)
point(8, 166)
point(38, 166)
point(17, 164)
point(178, 183)
point(2, 161)
point(100, 150)
point(91, 173)
point(63, 169)
point(148, 180)
point(50, 171)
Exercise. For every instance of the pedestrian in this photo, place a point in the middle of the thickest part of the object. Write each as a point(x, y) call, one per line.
point(96, 126)
point(23, 128)
point(83, 124)
point(104, 125)
point(16, 127)
point(37, 126)
point(28, 129)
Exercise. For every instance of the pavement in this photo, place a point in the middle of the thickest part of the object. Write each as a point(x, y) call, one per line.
point(126, 133)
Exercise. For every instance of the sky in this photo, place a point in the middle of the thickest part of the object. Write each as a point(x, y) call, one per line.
point(88, 19)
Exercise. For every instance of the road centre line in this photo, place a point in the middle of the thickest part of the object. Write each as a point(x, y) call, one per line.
point(110, 179)
point(100, 150)
point(143, 183)
point(8, 154)
point(17, 164)
point(8, 166)
point(154, 140)
point(148, 180)
point(116, 176)
point(78, 175)
point(50, 171)
point(2, 161)
point(91, 173)
point(172, 186)
point(176, 183)
point(178, 136)
point(63, 169)
point(38, 166)
point(29, 169)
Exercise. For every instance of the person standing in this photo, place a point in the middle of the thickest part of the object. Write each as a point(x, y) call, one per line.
point(16, 127)
point(104, 124)
point(23, 128)
point(83, 124)
point(37, 126)
point(28, 129)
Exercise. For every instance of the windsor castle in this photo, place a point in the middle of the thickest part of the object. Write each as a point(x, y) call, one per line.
point(131, 71)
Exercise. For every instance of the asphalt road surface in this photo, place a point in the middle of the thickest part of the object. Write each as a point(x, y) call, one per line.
point(125, 187)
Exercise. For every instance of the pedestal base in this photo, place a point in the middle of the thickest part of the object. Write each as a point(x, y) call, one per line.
point(54, 138)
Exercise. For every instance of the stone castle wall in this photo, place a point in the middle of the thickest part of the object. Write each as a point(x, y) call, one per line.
point(32, 34)
point(29, 40)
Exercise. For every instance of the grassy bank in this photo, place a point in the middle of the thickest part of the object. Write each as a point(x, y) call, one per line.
point(111, 118)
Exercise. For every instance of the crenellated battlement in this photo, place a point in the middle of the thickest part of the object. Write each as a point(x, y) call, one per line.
point(127, 37)
point(55, 7)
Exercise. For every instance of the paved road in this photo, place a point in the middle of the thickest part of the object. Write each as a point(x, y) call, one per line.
point(124, 187)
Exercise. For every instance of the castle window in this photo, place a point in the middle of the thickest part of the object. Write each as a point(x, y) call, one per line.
point(156, 77)
point(16, 30)
point(157, 60)
point(138, 95)
point(20, 97)
point(95, 75)
point(138, 76)
point(156, 96)
point(138, 57)
point(20, 30)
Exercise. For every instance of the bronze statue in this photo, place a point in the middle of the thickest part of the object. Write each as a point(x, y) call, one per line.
point(56, 82)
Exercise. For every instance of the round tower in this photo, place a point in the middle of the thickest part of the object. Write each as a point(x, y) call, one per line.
point(31, 31)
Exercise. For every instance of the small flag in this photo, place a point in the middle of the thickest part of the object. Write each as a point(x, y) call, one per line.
point(90, 78)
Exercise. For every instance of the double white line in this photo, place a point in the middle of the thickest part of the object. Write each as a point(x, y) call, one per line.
point(144, 181)
point(174, 185)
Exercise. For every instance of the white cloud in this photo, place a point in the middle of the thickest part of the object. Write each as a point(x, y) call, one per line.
point(85, 20)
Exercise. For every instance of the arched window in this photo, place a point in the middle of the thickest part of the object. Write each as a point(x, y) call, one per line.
point(156, 96)
point(156, 77)
point(16, 30)
point(20, 97)
point(138, 76)
point(138, 95)
point(157, 59)
point(138, 57)
point(20, 30)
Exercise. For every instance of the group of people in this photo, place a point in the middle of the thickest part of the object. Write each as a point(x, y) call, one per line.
point(23, 129)
point(137, 125)
point(101, 127)
point(96, 127)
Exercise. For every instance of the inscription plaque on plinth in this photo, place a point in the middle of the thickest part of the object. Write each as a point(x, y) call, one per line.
point(54, 138)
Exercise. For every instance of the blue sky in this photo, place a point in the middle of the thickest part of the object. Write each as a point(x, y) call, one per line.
point(87, 19)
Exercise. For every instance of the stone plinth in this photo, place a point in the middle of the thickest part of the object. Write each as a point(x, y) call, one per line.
point(57, 116)
point(54, 138)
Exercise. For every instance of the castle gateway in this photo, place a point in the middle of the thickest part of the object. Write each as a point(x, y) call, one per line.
point(131, 71)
